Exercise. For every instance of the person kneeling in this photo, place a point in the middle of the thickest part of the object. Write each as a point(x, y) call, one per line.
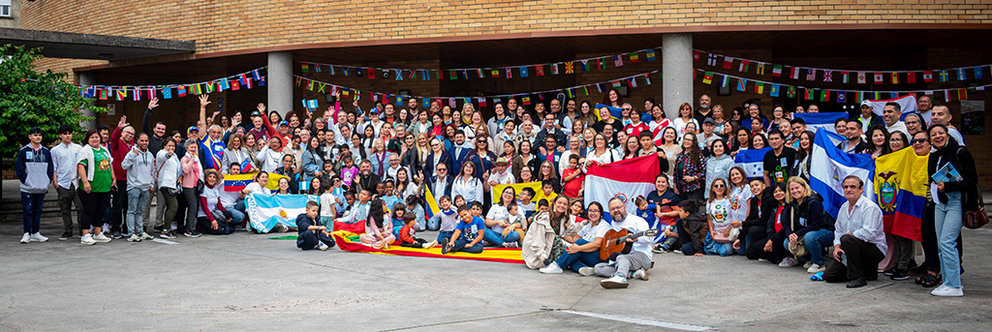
point(859, 240)
point(468, 233)
point(212, 217)
point(312, 233)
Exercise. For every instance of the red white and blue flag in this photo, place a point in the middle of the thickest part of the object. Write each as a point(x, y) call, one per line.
point(625, 179)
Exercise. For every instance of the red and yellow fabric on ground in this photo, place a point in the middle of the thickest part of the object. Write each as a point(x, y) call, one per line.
point(348, 241)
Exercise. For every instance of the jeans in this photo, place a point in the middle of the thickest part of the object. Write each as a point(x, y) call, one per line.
point(192, 205)
point(137, 199)
point(815, 241)
point(578, 260)
point(32, 211)
point(66, 198)
point(716, 248)
point(118, 206)
point(497, 238)
point(442, 235)
point(237, 217)
point(947, 221)
point(460, 245)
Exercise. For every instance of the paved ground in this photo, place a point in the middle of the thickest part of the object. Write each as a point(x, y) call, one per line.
point(246, 281)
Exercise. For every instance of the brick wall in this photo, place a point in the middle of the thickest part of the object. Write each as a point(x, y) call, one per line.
point(229, 25)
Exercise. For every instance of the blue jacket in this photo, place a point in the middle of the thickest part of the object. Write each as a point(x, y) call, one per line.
point(35, 170)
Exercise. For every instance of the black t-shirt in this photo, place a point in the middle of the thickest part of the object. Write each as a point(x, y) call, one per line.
point(780, 167)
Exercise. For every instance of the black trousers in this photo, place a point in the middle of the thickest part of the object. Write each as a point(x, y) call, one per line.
point(862, 261)
point(418, 243)
point(308, 239)
point(118, 206)
point(757, 248)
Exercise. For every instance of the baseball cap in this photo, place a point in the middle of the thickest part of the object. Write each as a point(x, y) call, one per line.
point(866, 102)
point(709, 120)
point(501, 160)
point(256, 113)
point(284, 123)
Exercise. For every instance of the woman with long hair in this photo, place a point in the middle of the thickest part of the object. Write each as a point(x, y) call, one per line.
point(631, 146)
point(505, 228)
point(878, 141)
point(546, 172)
point(468, 185)
point(192, 176)
point(690, 170)
point(671, 148)
point(806, 221)
point(524, 159)
point(718, 164)
point(951, 197)
point(583, 255)
point(587, 113)
point(805, 154)
point(718, 217)
point(312, 164)
point(684, 118)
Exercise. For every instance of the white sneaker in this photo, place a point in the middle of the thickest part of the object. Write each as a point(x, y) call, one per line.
point(552, 268)
point(586, 271)
point(146, 236)
point(87, 240)
point(38, 237)
point(26, 238)
point(807, 265)
point(101, 238)
point(641, 274)
point(947, 291)
point(134, 238)
point(816, 268)
point(788, 262)
point(616, 281)
point(430, 244)
point(322, 246)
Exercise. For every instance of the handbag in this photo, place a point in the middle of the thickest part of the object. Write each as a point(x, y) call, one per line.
point(978, 218)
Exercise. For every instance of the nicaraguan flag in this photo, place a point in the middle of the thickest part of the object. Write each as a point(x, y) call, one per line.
point(815, 121)
point(265, 211)
point(625, 179)
point(907, 104)
point(832, 165)
point(752, 161)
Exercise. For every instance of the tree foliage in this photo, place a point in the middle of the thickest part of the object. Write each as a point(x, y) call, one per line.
point(29, 98)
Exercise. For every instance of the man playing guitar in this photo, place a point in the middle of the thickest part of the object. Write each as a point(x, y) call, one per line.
point(639, 260)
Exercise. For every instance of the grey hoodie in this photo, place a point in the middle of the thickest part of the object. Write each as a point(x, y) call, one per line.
point(140, 167)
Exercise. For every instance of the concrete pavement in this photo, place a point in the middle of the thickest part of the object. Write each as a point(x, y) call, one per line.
point(249, 282)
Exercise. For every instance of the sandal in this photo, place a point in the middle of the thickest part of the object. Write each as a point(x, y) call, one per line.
point(929, 280)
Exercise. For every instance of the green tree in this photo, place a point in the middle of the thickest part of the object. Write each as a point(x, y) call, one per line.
point(29, 98)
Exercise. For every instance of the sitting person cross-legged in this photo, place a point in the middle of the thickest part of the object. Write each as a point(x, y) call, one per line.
point(584, 254)
point(312, 233)
point(468, 233)
point(859, 238)
point(637, 261)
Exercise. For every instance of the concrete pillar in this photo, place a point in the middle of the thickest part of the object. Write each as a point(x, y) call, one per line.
point(86, 78)
point(279, 83)
point(676, 70)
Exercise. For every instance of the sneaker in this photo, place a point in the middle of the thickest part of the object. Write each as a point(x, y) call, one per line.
point(26, 238)
point(189, 233)
point(899, 275)
point(168, 235)
point(509, 244)
point(322, 246)
point(815, 268)
point(586, 271)
point(444, 246)
point(37, 237)
point(889, 272)
point(641, 274)
point(859, 282)
point(430, 244)
point(280, 228)
point(101, 238)
point(118, 235)
point(134, 238)
point(146, 236)
point(788, 262)
point(65, 236)
point(807, 265)
point(947, 291)
point(553, 268)
point(87, 240)
point(762, 260)
point(616, 281)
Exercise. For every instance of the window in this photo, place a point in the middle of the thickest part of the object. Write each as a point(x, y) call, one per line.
point(5, 8)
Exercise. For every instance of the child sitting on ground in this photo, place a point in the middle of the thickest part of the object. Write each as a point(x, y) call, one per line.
point(399, 210)
point(468, 234)
point(312, 233)
point(378, 226)
point(407, 236)
point(445, 220)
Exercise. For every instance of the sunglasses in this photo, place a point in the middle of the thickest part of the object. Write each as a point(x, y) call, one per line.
point(919, 141)
point(442, 169)
point(718, 186)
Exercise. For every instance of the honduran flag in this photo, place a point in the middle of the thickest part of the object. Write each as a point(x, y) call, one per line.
point(832, 166)
point(265, 211)
point(752, 161)
point(815, 121)
point(625, 179)
point(901, 188)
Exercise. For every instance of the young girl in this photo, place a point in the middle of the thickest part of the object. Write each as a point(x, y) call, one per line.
point(315, 187)
point(348, 171)
point(399, 210)
point(283, 187)
point(718, 218)
point(378, 228)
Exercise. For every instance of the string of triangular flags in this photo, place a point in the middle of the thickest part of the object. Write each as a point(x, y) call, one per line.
point(524, 71)
point(525, 98)
point(773, 89)
point(842, 76)
point(245, 80)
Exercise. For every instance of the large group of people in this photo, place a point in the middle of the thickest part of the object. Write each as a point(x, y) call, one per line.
point(376, 166)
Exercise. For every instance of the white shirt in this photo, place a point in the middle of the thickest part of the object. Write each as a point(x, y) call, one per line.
point(269, 159)
point(255, 188)
point(227, 198)
point(506, 177)
point(212, 196)
point(864, 222)
point(635, 224)
point(64, 158)
point(590, 232)
point(900, 126)
point(471, 190)
point(738, 202)
point(499, 213)
point(719, 212)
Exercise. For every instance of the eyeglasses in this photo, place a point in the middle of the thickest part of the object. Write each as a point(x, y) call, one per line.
point(481, 142)
point(442, 169)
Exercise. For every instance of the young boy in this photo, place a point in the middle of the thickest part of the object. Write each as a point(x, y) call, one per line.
point(312, 233)
point(548, 190)
point(328, 205)
point(525, 203)
point(467, 235)
point(407, 236)
point(644, 210)
point(445, 220)
point(572, 178)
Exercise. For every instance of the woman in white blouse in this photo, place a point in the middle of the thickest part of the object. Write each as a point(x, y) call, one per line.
point(467, 185)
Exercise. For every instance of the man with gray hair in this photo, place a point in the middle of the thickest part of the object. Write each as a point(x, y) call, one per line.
point(640, 256)
point(212, 146)
point(121, 143)
point(859, 238)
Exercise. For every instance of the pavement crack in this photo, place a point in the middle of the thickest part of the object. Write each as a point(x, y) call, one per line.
point(464, 321)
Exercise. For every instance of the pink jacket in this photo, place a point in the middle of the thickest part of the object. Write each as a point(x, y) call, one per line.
point(192, 171)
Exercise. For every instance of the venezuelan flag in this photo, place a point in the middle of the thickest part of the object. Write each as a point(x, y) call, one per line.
point(238, 182)
point(900, 182)
point(432, 207)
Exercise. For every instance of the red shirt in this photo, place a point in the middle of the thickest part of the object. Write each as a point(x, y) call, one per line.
point(633, 130)
point(571, 188)
point(405, 236)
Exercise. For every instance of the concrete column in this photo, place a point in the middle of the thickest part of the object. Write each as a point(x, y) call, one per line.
point(86, 78)
point(280, 82)
point(676, 70)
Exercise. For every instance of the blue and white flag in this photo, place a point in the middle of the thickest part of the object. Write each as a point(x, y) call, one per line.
point(752, 161)
point(832, 165)
point(265, 211)
point(815, 121)
point(907, 104)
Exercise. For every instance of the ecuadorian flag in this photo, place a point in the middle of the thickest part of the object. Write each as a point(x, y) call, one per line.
point(900, 189)
point(238, 182)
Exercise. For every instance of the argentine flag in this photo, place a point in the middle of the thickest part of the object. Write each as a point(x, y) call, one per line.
point(752, 161)
point(815, 121)
point(265, 211)
point(831, 166)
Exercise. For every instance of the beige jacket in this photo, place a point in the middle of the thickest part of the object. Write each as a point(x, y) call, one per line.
point(538, 241)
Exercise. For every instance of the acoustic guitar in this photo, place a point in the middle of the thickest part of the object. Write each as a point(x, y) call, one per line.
point(615, 242)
